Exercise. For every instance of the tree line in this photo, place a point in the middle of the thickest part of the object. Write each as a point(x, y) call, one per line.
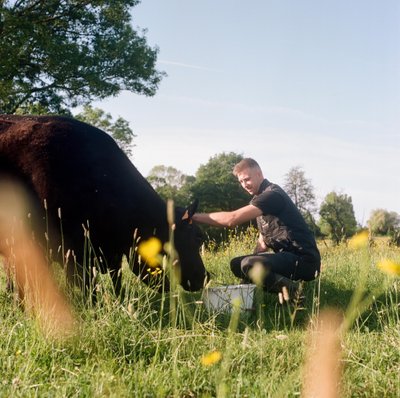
point(218, 190)
point(57, 55)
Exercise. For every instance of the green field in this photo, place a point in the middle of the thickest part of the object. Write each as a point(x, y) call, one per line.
point(153, 345)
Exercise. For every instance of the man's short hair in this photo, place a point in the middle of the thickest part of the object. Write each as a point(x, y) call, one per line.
point(246, 163)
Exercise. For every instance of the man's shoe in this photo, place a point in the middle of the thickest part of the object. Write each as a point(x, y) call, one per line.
point(287, 289)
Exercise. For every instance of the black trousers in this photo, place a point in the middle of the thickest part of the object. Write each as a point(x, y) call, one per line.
point(284, 263)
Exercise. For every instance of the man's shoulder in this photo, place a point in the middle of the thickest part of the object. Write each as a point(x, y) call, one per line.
point(270, 201)
point(271, 190)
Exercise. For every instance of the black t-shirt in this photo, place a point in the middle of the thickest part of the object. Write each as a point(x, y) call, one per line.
point(281, 225)
point(269, 202)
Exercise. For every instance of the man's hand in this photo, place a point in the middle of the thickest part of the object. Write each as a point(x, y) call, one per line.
point(260, 245)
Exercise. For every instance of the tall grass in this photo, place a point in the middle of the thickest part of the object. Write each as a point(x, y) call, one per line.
point(151, 345)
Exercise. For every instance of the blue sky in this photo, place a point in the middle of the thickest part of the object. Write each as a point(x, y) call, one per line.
point(310, 83)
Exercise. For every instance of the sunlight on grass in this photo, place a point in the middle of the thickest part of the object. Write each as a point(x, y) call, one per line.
point(168, 345)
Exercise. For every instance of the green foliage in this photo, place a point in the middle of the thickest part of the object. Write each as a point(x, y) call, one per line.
point(160, 176)
point(61, 54)
point(29, 108)
point(312, 224)
point(171, 183)
point(382, 222)
point(218, 190)
point(337, 217)
point(214, 184)
point(216, 187)
point(119, 129)
point(301, 191)
point(394, 237)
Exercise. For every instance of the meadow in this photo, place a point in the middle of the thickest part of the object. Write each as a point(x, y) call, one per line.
point(148, 344)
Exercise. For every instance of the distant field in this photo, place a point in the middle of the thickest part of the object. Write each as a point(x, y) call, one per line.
point(152, 345)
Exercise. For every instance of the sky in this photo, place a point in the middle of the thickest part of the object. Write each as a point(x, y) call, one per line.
point(312, 84)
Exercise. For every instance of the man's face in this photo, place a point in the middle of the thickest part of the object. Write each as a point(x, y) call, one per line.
point(250, 179)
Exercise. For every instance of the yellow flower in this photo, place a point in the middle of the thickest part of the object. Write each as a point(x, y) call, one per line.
point(211, 358)
point(359, 240)
point(389, 267)
point(258, 273)
point(154, 271)
point(150, 250)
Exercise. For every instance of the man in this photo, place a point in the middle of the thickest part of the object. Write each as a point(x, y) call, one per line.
point(293, 254)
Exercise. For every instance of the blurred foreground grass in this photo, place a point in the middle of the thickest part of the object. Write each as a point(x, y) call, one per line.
point(130, 348)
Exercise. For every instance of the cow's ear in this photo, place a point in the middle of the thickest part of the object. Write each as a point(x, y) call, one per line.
point(185, 215)
point(193, 208)
point(190, 210)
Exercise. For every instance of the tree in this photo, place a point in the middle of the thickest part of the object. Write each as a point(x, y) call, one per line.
point(301, 191)
point(383, 222)
point(119, 129)
point(40, 109)
point(337, 217)
point(67, 53)
point(216, 187)
point(161, 176)
point(171, 183)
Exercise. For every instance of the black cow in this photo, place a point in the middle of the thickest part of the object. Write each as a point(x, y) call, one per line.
point(72, 168)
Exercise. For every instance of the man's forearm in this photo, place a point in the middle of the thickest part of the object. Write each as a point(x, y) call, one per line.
point(217, 219)
point(228, 218)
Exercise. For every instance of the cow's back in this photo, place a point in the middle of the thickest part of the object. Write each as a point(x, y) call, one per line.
point(80, 170)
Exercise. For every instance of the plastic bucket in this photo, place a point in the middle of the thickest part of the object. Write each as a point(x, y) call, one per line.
point(220, 298)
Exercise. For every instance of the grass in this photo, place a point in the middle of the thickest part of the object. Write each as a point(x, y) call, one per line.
point(134, 347)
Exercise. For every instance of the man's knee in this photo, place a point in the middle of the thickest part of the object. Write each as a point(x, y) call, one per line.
point(236, 267)
point(240, 266)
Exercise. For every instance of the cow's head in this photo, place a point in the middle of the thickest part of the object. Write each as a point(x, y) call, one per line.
point(188, 240)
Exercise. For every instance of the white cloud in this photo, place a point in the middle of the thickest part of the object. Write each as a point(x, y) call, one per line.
point(184, 65)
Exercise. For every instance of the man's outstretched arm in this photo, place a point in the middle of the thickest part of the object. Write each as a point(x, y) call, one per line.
point(228, 218)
